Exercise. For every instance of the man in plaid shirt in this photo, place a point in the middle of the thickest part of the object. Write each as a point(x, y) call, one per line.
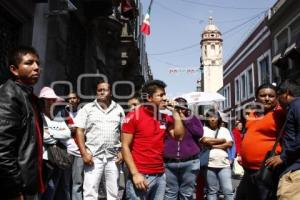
point(98, 135)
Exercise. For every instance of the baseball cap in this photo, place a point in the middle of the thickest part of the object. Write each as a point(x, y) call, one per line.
point(48, 93)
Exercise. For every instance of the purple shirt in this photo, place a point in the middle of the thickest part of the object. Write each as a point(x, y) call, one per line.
point(188, 146)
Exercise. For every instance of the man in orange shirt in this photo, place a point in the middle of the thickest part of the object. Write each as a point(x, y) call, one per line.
point(262, 127)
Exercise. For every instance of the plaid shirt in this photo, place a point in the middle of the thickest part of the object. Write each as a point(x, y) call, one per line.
point(102, 128)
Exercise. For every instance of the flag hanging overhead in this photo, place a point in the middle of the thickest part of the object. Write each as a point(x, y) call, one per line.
point(145, 27)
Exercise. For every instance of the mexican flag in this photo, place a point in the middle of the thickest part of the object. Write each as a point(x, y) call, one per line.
point(145, 27)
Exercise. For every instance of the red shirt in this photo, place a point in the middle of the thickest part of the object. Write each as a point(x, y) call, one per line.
point(39, 139)
point(237, 140)
point(148, 139)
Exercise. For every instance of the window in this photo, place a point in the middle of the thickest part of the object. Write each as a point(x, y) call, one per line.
point(237, 114)
point(282, 41)
point(228, 114)
point(213, 50)
point(295, 29)
point(237, 90)
point(250, 81)
point(226, 94)
point(264, 68)
point(243, 87)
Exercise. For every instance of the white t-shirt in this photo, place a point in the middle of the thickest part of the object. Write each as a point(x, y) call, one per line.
point(218, 158)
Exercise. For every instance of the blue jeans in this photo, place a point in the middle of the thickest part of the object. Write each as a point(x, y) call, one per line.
point(77, 178)
point(58, 186)
point(216, 177)
point(156, 188)
point(181, 179)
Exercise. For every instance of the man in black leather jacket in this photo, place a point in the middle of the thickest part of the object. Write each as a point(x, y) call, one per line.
point(20, 129)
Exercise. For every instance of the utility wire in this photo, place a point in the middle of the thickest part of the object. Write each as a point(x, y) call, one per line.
point(197, 19)
point(242, 24)
point(234, 48)
point(194, 52)
point(218, 6)
point(236, 20)
point(176, 50)
point(173, 65)
point(165, 62)
point(197, 44)
point(178, 13)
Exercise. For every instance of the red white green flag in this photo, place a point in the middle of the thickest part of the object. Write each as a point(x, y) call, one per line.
point(145, 27)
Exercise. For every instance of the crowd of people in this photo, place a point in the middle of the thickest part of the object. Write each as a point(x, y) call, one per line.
point(53, 150)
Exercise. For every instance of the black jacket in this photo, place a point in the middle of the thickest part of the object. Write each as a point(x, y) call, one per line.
point(18, 141)
point(291, 139)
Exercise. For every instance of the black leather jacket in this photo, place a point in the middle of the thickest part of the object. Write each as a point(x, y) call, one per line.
point(18, 141)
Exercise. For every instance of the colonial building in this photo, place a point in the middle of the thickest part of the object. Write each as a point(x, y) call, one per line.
point(247, 68)
point(211, 58)
point(78, 42)
point(284, 23)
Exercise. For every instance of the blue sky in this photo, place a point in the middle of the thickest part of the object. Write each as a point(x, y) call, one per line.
point(176, 27)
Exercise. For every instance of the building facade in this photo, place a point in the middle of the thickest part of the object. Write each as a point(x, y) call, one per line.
point(284, 23)
point(248, 67)
point(79, 41)
point(211, 58)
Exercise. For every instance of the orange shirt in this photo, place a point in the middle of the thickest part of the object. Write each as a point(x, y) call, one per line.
point(260, 137)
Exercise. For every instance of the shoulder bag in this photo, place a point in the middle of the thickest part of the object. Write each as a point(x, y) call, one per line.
point(267, 174)
point(58, 155)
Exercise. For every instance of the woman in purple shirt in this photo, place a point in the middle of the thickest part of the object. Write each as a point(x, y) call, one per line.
point(181, 157)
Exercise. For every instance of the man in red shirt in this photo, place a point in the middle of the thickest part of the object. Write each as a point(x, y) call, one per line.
point(143, 135)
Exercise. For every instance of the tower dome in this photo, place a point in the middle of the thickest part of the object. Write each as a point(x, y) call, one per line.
point(211, 27)
point(211, 32)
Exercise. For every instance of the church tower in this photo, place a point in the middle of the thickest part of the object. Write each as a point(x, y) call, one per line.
point(211, 58)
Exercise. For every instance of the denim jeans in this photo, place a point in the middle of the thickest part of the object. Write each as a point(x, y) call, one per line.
point(216, 177)
point(181, 179)
point(77, 178)
point(58, 185)
point(156, 188)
